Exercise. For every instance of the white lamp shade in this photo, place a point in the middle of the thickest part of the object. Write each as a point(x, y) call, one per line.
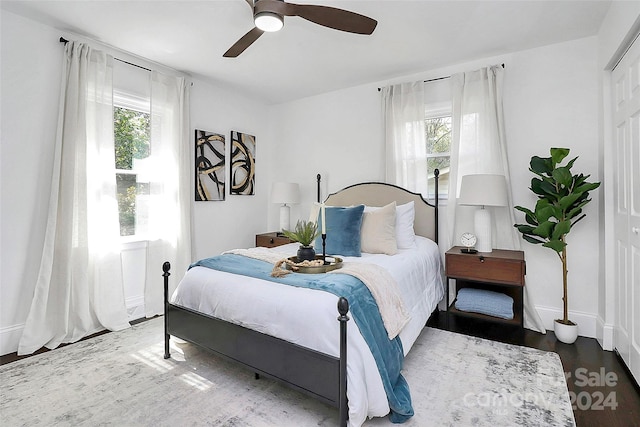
point(483, 190)
point(285, 193)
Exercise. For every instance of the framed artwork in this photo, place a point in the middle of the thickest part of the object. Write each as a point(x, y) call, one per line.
point(210, 166)
point(243, 163)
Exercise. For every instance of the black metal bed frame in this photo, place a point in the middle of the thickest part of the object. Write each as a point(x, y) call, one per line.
point(317, 374)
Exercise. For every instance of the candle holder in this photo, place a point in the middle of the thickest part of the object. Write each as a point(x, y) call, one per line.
point(324, 246)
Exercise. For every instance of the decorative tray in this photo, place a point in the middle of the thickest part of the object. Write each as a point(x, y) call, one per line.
point(331, 263)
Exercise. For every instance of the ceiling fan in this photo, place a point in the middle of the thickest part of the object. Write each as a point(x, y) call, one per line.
point(268, 16)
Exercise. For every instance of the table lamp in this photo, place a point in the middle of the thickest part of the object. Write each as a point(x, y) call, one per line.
point(286, 193)
point(483, 190)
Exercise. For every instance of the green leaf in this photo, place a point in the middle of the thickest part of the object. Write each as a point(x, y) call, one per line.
point(558, 154)
point(544, 210)
point(544, 229)
point(587, 186)
point(532, 240)
point(524, 229)
point(576, 209)
point(529, 216)
point(536, 187)
point(543, 188)
point(541, 165)
point(567, 201)
point(561, 228)
point(556, 245)
point(563, 176)
point(304, 233)
point(571, 162)
point(523, 209)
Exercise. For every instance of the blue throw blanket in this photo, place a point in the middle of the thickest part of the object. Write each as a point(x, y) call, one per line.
point(388, 354)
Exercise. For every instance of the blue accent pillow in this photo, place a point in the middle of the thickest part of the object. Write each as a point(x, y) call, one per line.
point(343, 230)
point(483, 301)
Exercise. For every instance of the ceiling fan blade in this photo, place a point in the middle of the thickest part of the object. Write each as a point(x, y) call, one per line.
point(244, 42)
point(338, 19)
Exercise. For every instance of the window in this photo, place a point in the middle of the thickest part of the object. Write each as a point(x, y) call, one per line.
point(132, 132)
point(438, 138)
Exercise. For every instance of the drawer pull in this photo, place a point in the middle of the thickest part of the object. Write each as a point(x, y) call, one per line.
point(481, 258)
point(271, 240)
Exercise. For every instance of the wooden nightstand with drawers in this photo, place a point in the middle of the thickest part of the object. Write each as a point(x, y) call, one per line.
point(271, 240)
point(499, 271)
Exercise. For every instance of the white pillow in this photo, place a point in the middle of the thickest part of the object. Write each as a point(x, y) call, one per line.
point(405, 215)
point(378, 230)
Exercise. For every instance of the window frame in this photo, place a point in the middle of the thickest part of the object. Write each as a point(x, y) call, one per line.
point(130, 101)
point(434, 111)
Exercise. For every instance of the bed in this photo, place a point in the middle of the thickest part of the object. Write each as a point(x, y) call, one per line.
point(304, 340)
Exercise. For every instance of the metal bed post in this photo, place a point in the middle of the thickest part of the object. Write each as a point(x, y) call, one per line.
point(343, 309)
point(165, 268)
point(436, 176)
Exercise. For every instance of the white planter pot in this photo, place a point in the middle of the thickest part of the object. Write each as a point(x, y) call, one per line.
point(565, 333)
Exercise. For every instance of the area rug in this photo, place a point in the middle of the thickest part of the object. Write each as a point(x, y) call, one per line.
point(121, 379)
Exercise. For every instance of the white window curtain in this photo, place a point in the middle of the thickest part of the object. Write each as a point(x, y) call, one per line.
point(479, 147)
point(169, 220)
point(79, 289)
point(405, 140)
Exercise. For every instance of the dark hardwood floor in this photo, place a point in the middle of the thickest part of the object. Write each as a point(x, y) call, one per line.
point(603, 392)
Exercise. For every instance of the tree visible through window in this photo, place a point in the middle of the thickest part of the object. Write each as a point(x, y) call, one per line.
point(132, 133)
point(438, 137)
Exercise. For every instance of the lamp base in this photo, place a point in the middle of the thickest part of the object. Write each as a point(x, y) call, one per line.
point(482, 222)
point(285, 216)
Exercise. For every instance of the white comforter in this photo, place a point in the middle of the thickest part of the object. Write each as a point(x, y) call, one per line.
point(308, 317)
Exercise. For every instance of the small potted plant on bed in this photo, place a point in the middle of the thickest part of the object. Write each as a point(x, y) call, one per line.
point(304, 233)
point(561, 198)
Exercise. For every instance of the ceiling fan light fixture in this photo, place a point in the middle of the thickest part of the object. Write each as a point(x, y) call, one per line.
point(268, 21)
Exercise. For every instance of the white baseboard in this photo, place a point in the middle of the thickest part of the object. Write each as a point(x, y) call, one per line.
point(604, 334)
point(587, 322)
point(10, 338)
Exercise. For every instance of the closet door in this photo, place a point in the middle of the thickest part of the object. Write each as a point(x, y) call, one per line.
point(626, 116)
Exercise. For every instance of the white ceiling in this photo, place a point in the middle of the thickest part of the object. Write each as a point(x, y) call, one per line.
point(305, 59)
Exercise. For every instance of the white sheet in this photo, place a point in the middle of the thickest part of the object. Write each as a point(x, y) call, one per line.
point(308, 317)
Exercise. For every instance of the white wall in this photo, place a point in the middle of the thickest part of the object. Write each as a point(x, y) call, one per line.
point(338, 135)
point(31, 74)
point(232, 223)
point(550, 99)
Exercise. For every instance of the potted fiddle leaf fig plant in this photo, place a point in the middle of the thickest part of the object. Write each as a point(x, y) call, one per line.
point(305, 232)
point(562, 197)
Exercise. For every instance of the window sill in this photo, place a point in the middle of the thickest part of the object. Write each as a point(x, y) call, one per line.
point(130, 243)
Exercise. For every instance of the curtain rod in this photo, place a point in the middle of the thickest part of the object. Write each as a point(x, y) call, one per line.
point(437, 78)
point(65, 41)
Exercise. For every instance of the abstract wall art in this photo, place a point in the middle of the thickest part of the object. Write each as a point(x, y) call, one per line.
point(243, 163)
point(210, 166)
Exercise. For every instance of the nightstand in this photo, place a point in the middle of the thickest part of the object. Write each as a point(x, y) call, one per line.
point(271, 240)
point(499, 271)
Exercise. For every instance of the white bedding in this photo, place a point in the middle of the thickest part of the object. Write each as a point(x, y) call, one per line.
point(308, 317)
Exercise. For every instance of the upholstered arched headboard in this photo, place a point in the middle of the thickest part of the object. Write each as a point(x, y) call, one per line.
point(381, 194)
